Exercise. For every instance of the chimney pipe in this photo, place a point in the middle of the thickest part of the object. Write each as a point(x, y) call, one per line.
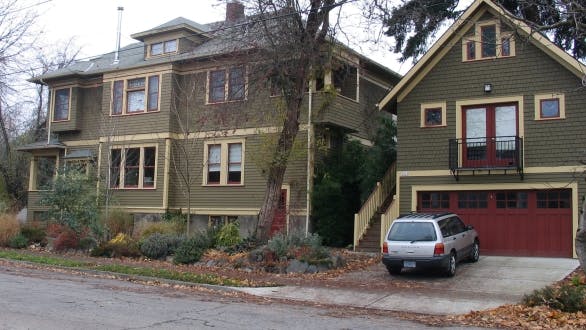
point(234, 11)
point(118, 33)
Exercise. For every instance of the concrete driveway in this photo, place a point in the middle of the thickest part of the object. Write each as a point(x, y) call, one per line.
point(491, 282)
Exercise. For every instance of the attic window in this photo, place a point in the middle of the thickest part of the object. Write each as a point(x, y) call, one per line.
point(163, 47)
point(488, 42)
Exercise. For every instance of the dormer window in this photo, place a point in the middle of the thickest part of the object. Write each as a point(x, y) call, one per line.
point(163, 47)
point(488, 42)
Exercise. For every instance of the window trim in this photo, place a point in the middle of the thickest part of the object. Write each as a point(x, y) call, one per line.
point(227, 85)
point(428, 106)
point(33, 170)
point(126, 90)
point(549, 96)
point(53, 102)
point(224, 150)
point(477, 42)
point(122, 167)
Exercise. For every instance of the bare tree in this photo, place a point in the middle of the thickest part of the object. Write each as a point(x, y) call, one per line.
point(287, 40)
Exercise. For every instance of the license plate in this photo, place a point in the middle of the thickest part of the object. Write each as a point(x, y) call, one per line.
point(409, 264)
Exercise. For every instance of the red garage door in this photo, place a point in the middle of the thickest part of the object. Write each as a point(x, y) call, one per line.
point(516, 223)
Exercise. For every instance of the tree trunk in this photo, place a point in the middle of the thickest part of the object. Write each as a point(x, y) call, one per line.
point(581, 236)
point(277, 170)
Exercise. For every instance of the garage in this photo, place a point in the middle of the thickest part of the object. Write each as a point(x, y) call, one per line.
point(511, 222)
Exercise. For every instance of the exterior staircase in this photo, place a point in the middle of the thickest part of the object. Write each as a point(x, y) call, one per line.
point(376, 214)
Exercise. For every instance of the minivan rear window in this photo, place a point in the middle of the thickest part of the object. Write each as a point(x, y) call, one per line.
point(412, 231)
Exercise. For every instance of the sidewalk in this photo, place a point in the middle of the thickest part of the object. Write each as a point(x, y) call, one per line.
point(492, 282)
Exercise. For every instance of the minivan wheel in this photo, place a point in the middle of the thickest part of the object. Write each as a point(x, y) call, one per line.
point(475, 254)
point(451, 270)
point(394, 270)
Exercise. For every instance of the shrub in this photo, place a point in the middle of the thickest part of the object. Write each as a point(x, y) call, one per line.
point(68, 239)
point(9, 228)
point(18, 242)
point(228, 235)
point(567, 298)
point(87, 243)
point(151, 228)
point(54, 229)
point(298, 246)
point(34, 233)
point(120, 246)
point(155, 246)
point(279, 245)
point(118, 222)
point(191, 250)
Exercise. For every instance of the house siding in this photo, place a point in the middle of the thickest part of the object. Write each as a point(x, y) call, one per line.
point(528, 73)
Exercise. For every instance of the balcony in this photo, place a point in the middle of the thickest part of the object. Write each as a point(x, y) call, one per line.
point(486, 154)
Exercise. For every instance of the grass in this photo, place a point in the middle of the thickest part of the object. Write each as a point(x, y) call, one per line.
point(122, 269)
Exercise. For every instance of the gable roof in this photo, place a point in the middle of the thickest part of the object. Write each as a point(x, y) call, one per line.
point(176, 24)
point(461, 25)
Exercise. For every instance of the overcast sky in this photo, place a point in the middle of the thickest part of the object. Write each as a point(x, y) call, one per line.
point(94, 23)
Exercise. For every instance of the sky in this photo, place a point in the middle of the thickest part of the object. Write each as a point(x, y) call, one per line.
point(93, 24)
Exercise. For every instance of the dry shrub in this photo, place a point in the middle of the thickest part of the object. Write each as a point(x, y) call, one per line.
point(54, 229)
point(9, 227)
point(119, 222)
point(67, 240)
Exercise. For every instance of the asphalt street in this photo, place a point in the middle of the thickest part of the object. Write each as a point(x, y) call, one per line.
point(43, 299)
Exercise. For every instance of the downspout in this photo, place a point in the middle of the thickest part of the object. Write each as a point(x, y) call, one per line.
point(309, 159)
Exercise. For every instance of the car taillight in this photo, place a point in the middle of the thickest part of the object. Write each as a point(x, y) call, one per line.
point(438, 250)
point(385, 248)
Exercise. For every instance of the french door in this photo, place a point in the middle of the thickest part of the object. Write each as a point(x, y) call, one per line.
point(490, 135)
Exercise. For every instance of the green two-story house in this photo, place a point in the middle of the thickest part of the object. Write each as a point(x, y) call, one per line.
point(491, 126)
point(181, 115)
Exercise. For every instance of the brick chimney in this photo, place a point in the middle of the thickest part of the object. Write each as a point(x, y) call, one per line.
point(234, 11)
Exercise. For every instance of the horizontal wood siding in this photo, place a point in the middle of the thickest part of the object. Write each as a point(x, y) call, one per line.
point(530, 72)
point(249, 195)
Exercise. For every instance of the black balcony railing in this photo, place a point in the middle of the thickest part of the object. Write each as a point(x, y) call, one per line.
point(486, 154)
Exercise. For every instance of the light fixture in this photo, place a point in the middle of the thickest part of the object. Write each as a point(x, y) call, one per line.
point(487, 87)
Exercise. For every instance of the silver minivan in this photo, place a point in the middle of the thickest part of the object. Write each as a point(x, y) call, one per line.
point(426, 240)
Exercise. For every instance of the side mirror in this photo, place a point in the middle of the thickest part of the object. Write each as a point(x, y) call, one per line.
point(469, 227)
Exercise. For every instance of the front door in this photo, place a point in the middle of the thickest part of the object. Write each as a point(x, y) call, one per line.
point(490, 135)
point(280, 220)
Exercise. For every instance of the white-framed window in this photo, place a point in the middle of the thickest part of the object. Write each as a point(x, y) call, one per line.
point(133, 167)
point(163, 47)
point(488, 42)
point(135, 95)
point(550, 106)
point(433, 114)
point(224, 162)
point(225, 85)
point(217, 221)
point(61, 104)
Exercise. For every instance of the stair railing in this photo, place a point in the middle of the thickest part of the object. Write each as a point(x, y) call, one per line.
point(387, 218)
point(373, 203)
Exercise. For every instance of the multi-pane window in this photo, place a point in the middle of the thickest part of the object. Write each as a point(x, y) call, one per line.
point(489, 41)
point(227, 85)
point(435, 200)
point(554, 199)
point(472, 200)
point(224, 163)
point(433, 114)
point(164, 47)
point(133, 167)
point(511, 200)
point(61, 105)
point(136, 95)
